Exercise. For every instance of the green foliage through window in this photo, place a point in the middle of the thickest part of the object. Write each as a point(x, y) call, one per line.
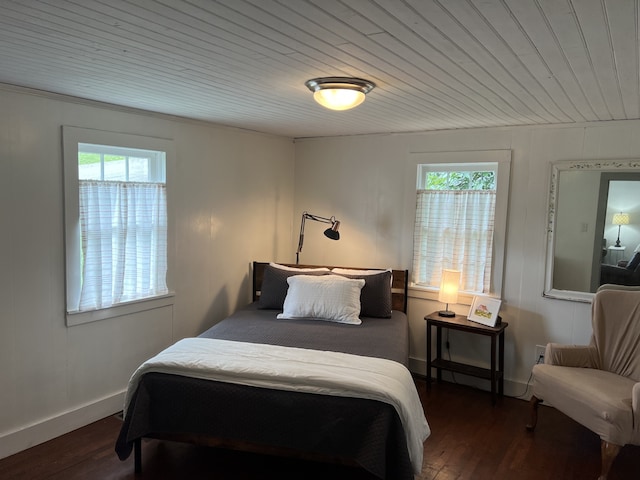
point(460, 181)
point(85, 158)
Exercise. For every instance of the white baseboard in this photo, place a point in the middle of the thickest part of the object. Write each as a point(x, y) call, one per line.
point(512, 388)
point(30, 435)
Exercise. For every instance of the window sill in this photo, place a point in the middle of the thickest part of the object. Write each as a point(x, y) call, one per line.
point(79, 318)
point(431, 293)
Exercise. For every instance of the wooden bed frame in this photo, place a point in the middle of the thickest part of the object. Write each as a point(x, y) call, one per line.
point(399, 282)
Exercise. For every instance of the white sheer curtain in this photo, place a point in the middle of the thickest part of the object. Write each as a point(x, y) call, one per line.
point(454, 229)
point(124, 242)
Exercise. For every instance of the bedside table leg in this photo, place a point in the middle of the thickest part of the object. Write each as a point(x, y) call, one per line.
point(493, 369)
point(438, 351)
point(501, 363)
point(428, 355)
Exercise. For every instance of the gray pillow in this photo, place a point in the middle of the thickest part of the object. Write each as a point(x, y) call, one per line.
point(275, 286)
point(375, 297)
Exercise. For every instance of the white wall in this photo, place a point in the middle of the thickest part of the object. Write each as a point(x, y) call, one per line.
point(234, 192)
point(362, 180)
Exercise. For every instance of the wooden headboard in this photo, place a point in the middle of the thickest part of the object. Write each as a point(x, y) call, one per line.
point(399, 284)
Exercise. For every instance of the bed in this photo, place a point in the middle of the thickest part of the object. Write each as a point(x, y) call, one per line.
point(322, 422)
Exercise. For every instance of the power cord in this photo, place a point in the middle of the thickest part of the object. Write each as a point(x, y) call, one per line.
point(526, 388)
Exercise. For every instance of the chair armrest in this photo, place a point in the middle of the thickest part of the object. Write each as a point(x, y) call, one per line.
point(581, 356)
point(635, 400)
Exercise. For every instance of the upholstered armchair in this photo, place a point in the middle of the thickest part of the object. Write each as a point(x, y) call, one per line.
point(627, 274)
point(598, 385)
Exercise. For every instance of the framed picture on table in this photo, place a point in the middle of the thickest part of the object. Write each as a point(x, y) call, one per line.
point(485, 310)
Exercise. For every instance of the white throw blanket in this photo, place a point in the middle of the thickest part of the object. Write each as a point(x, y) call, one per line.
point(299, 370)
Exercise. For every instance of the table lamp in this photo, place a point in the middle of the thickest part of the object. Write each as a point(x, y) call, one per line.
point(620, 219)
point(449, 290)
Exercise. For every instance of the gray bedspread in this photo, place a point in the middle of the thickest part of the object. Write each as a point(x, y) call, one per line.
point(375, 337)
point(346, 430)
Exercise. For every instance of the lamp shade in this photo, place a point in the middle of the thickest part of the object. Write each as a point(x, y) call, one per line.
point(621, 219)
point(333, 232)
point(338, 98)
point(449, 286)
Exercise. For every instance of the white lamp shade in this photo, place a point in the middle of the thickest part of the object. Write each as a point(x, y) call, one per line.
point(338, 98)
point(449, 286)
point(621, 219)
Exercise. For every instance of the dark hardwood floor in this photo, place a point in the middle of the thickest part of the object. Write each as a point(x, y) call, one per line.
point(470, 440)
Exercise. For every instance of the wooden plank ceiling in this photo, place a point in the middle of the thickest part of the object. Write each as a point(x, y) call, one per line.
point(438, 64)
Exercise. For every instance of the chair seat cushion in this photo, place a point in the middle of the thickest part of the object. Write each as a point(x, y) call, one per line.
point(597, 399)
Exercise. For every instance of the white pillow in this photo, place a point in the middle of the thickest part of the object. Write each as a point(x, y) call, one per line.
point(327, 297)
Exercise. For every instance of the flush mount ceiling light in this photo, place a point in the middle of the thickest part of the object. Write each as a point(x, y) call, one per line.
point(339, 93)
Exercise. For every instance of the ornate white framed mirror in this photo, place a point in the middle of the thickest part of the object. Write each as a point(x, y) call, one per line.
point(585, 246)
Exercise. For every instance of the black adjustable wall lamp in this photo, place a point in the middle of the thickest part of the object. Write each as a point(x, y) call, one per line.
point(331, 232)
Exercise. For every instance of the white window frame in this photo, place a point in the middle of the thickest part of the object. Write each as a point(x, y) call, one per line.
point(71, 138)
point(464, 161)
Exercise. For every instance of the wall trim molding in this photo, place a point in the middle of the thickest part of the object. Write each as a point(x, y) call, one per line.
point(39, 432)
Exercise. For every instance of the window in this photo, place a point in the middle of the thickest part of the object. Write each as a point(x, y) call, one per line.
point(454, 225)
point(460, 219)
point(116, 220)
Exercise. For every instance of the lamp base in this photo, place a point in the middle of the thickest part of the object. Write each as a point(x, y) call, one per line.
point(618, 240)
point(446, 313)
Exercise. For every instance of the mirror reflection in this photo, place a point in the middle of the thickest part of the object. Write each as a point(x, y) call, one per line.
point(594, 227)
point(621, 238)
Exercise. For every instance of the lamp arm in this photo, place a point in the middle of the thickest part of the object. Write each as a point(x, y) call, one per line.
point(331, 220)
point(301, 238)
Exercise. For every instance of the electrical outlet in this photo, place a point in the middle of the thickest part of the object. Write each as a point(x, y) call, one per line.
point(540, 353)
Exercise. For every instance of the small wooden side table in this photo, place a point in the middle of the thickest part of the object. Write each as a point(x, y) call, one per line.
point(495, 374)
